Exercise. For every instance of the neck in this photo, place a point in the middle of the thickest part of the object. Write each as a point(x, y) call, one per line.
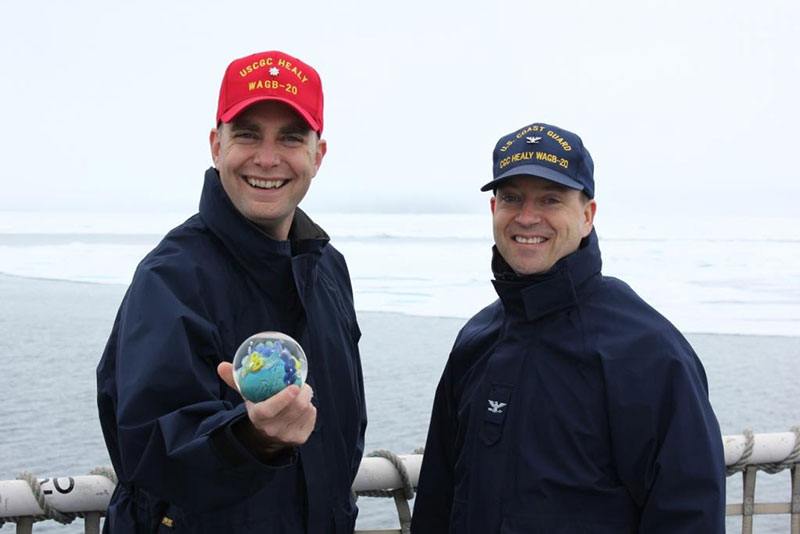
point(278, 231)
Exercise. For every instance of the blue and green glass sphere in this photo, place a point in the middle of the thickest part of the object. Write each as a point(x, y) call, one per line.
point(266, 363)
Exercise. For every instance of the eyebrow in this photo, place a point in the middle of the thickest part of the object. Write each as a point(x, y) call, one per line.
point(298, 127)
point(548, 186)
point(553, 186)
point(243, 124)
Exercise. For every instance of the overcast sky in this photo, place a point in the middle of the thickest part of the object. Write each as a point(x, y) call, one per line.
point(686, 106)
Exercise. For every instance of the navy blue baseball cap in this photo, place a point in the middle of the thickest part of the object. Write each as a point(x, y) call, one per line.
point(543, 151)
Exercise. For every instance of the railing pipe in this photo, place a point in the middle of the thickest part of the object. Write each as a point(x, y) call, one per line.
point(767, 448)
point(90, 494)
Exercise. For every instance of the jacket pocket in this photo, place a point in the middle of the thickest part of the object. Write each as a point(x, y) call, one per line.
point(495, 415)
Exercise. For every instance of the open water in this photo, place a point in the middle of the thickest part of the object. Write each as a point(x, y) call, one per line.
point(732, 285)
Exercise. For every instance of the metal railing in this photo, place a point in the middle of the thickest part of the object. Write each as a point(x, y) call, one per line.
point(772, 453)
point(384, 474)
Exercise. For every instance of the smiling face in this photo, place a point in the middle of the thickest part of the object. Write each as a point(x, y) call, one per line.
point(537, 222)
point(266, 158)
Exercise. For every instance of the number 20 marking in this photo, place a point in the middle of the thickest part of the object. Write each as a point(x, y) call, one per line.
point(57, 485)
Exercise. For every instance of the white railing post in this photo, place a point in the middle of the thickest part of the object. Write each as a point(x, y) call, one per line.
point(748, 498)
point(25, 525)
point(91, 523)
point(795, 499)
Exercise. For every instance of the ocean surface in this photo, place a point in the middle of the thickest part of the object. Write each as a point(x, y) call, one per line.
point(731, 284)
point(706, 273)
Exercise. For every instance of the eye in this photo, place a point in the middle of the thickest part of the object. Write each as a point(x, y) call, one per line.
point(509, 198)
point(551, 200)
point(245, 135)
point(294, 139)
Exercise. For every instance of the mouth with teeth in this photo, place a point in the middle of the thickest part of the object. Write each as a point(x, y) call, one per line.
point(265, 184)
point(529, 240)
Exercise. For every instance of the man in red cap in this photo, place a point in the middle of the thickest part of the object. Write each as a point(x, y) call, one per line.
point(190, 453)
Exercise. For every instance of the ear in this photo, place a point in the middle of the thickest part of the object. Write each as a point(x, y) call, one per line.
point(214, 142)
point(589, 209)
point(322, 149)
point(492, 201)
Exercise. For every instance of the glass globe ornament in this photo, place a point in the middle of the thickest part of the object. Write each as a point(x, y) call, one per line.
point(266, 363)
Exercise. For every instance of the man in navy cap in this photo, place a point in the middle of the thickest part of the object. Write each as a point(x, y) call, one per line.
point(568, 405)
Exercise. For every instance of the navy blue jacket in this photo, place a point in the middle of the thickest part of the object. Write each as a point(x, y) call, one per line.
point(571, 406)
point(166, 415)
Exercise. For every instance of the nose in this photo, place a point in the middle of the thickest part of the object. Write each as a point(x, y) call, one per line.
point(267, 154)
point(528, 214)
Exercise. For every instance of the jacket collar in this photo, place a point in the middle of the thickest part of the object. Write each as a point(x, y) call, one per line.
point(257, 252)
point(538, 295)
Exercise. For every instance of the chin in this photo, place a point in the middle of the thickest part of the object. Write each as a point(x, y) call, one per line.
point(524, 266)
point(526, 269)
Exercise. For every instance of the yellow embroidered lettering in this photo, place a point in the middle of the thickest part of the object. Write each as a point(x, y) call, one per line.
point(529, 129)
point(255, 65)
point(522, 156)
point(560, 140)
point(282, 62)
point(264, 84)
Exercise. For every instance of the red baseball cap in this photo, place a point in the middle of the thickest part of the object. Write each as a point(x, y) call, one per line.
point(271, 76)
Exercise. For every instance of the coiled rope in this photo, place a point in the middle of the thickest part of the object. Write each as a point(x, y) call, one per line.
point(741, 463)
point(48, 511)
point(401, 496)
point(789, 460)
point(771, 468)
point(408, 489)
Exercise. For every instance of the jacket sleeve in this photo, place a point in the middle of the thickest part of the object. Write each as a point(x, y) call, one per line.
point(358, 452)
point(667, 443)
point(347, 291)
point(173, 412)
point(434, 500)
